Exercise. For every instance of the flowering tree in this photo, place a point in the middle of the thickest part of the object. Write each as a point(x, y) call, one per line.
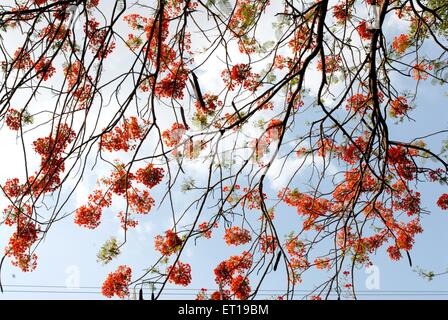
point(143, 88)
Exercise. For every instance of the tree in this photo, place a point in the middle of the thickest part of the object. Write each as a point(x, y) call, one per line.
point(160, 84)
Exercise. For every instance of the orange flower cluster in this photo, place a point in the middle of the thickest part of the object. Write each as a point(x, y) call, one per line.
point(169, 244)
point(14, 119)
point(243, 15)
point(89, 216)
point(252, 198)
point(240, 287)
point(322, 263)
point(342, 11)
point(420, 71)
point(231, 273)
point(23, 238)
point(303, 39)
point(363, 31)
point(206, 229)
point(240, 74)
point(140, 202)
point(358, 103)
point(13, 188)
point(173, 84)
point(174, 71)
point(307, 206)
point(117, 283)
point(122, 138)
point(97, 41)
point(51, 150)
point(78, 82)
point(44, 69)
point(274, 130)
point(211, 102)
point(268, 244)
point(399, 161)
point(332, 64)
point(351, 152)
point(173, 136)
point(399, 107)
point(22, 60)
point(401, 43)
point(443, 201)
point(120, 184)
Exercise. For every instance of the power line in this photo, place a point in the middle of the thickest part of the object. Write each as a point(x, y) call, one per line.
point(211, 289)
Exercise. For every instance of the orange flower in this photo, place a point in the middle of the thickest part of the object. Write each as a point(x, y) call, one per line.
point(237, 236)
point(420, 71)
point(117, 283)
point(401, 43)
point(180, 274)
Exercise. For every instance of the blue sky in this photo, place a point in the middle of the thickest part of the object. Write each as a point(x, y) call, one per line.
point(67, 257)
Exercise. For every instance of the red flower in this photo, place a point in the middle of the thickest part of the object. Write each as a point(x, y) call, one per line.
point(398, 158)
point(237, 236)
point(40, 2)
point(341, 11)
point(394, 253)
point(121, 138)
point(88, 216)
point(409, 204)
point(206, 229)
point(420, 71)
point(21, 241)
point(235, 264)
point(268, 244)
point(140, 202)
point(399, 107)
point(295, 247)
point(92, 3)
point(169, 244)
point(240, 74)
point(22, 60)
point(274, 130)
point(117, 283)
point(44, 69)
point(401, 43)
point(13, 188)
point(173, 85)
point(14, 119)
point(443, 201)
point(149, 176)
point(173, 136)
point(225, 295)
point(79, 83)
point(97, 39)
point(240, 287)
point(51, 150)
point(358, 103)
point(364, 33)
point(351, 153)
point(303, 39)
point(322, 263)
point(180, 274)
point(332, 64)
point(211, 103)
point(120, 180)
